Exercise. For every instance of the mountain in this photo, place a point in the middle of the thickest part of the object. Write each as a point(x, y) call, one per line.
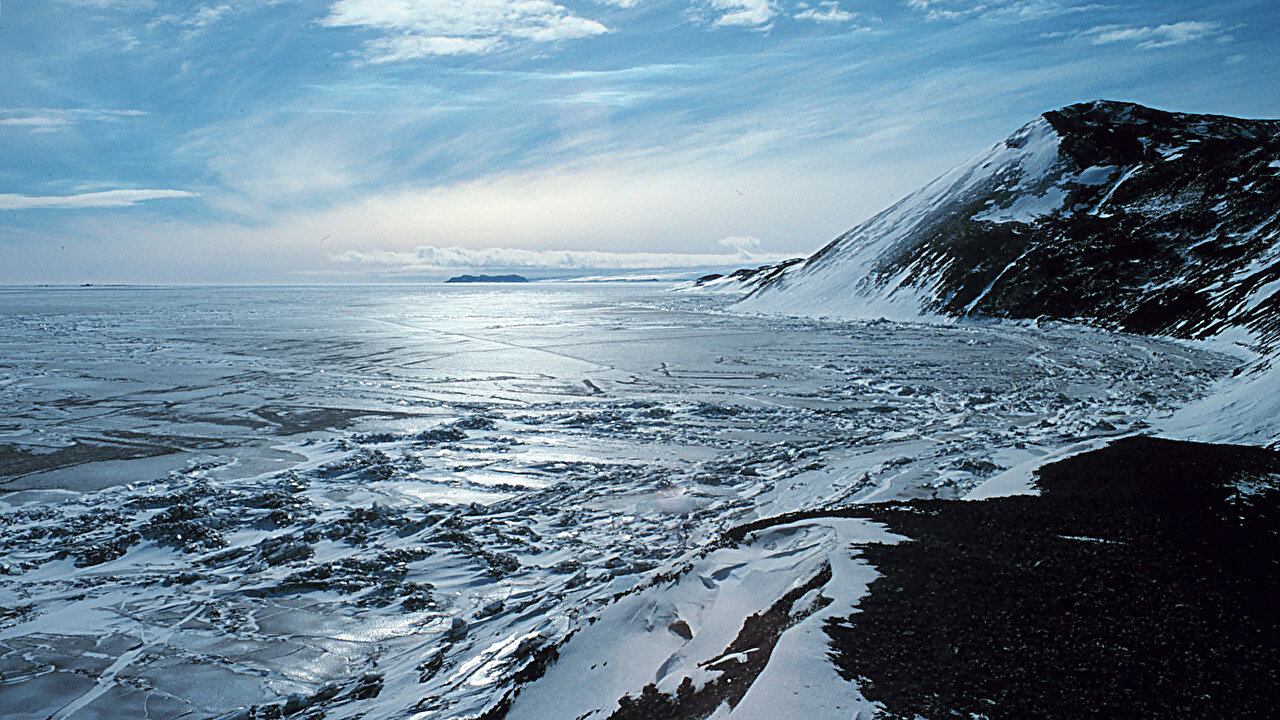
point(1108, 213)
point(740, 280)
point(487, 279)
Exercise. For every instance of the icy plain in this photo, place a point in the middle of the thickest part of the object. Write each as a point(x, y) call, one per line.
point(400, 501)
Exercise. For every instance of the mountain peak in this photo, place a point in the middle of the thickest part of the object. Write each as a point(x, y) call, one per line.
point(1105, 212)
point(1122, 133)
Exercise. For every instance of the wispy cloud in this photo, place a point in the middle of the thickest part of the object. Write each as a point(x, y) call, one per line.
point(36, 123)
point(826, 12)
point(272, 160)
point(745, 13)
point(196, 20)
point(948, 9)
point(104, 4)
point(1151, 37)
point(748, 247)
point(410, 47)
point(104, 199)
point(53, 119)
point(1008, 10)
point(467, 123)
point(421, 28)
point(428, 258)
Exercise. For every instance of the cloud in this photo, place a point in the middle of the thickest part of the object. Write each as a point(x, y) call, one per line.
point(421, 28)
point(194, 21)
point(206, 15)
point(105, 4)
point(36, 123)
point(947, 9)
point(640, 212)
point(615, 203)
point(104, 199)
point(746, 246)
point(1010, 10)
point(1150, 37)
point(411, 47)
point(53, 119)
point(269, 161)
point(830, 12)
point(429, 258)
point(747, 13)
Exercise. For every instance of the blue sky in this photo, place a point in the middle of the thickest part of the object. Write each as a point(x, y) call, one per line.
point(337, 140)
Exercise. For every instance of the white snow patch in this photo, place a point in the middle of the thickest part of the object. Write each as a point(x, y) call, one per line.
point(630, 644)
point(1244, 410)
point(792, 684)
point(1263, 293)
point(1083, 538)
point(1248, 488)
point(1026, 208)
point(1123, 178)
point(1020, 479)
point(1096, 175)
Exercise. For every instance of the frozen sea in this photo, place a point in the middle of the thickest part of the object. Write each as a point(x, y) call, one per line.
point(400, 501)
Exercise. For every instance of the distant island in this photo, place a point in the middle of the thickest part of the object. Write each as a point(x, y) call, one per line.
point(487, 279)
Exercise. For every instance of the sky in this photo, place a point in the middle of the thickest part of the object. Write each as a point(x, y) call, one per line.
point(312, 141)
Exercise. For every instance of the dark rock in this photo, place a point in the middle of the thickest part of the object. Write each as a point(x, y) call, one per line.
point(457, 630)
point(681, 629)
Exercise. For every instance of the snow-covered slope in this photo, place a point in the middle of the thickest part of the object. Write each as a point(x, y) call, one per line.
point(738, 281)
point(1109, 213)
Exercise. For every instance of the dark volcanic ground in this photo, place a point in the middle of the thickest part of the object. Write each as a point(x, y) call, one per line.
point(1140, 583)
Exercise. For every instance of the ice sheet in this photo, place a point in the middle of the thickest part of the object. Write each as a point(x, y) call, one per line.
point(394, 500)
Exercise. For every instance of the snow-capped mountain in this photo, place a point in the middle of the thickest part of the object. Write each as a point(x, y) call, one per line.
point(1110, 213)
point(743, 280)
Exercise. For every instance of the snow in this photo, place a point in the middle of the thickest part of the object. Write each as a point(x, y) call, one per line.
point(1026, 208)
point(1021, 181)
point(451, 438)
point(433, 486)
point(1249, 488)
point(1123, 179)
point(1242, 410)
point(1028, 205)
point(977, 299)
point(847, 283)
point(629, 645)
point(723, 284)
point(792, 684)
point(1096, 175)
point(1262, 294)
point(1020, 479)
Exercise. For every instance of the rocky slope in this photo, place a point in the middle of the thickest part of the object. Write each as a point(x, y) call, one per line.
point(745, 279)
point(1109, 213)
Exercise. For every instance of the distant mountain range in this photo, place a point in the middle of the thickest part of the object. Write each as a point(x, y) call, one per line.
point(487, 279)
point(1108, 213)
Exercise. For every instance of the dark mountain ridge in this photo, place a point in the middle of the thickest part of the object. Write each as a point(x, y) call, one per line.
point(1109, 213)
